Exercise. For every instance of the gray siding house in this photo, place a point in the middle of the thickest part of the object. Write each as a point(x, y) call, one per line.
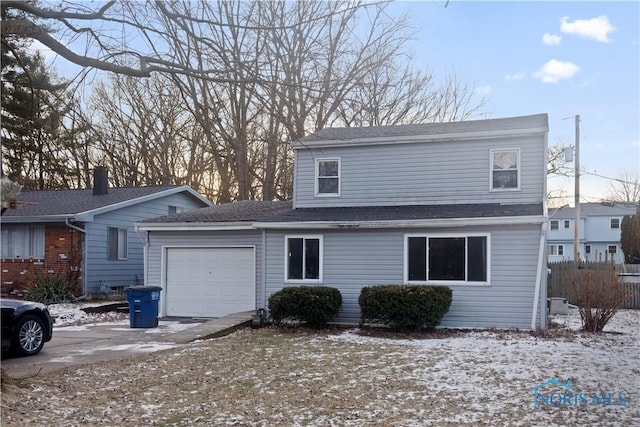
point(458, 204)
point(599, 231)
point(87, 235)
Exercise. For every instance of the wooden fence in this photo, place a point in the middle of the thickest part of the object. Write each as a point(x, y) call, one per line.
point(558, 283)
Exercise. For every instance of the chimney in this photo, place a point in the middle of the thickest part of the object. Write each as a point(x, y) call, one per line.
point(100, 181)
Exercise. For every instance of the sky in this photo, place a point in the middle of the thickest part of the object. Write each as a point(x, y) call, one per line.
point(560, 58)
point(529, 57)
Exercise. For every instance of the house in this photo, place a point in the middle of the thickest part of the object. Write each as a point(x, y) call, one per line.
point(86, 235)
point(599, 231)
point(459, 204)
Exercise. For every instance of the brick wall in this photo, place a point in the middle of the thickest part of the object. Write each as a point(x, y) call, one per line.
point(62, 258)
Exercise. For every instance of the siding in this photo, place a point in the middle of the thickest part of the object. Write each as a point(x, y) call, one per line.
point(357, 258)
point(160, 239)
point(421, 173)
point(130, 271)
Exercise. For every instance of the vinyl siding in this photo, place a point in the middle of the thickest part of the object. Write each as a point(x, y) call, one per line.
point(161, 239)
point(130, 271)
point(421, 173)
point(357, 258)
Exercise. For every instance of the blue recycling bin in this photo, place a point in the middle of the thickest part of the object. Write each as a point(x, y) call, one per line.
point(143, 306)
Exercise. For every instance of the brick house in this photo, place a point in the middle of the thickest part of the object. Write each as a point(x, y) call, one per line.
point(84, 237)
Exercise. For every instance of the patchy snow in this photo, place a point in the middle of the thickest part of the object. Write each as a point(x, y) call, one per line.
point(492, 367)
point(66, 314)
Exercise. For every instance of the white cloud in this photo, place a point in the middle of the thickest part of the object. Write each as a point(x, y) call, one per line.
point(551, 39)
point(483, 90)
point(48, 55)
point(594, 28)
point(516, 76)
point(553, 71)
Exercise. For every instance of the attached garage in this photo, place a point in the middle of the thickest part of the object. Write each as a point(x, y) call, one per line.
point(209, 281)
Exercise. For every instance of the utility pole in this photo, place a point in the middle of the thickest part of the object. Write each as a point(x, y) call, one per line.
point(576, 209)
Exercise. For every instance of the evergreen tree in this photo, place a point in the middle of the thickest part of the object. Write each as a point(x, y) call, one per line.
point(33, 109)
point(630, 238)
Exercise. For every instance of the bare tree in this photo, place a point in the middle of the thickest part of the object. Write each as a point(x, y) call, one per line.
point(626, 188)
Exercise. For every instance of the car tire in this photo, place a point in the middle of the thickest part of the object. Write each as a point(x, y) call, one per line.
point(28, 336)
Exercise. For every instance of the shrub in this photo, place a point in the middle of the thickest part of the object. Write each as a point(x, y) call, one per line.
point(50, 289)
point(599, 295)
point(315, 306)
point(404, 307)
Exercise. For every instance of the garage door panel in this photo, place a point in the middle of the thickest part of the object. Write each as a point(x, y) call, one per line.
point(209, 282)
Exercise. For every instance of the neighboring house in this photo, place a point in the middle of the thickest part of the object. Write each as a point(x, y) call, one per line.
point(599, 230)
point(458, 204)
point(84, 235)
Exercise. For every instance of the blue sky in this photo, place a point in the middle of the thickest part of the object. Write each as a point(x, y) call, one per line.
point(529, 57)
point(559, 58)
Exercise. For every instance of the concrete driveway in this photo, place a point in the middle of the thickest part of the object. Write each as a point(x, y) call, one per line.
point(85, 344)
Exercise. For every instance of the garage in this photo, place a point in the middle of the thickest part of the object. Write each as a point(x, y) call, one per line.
point(209, 282)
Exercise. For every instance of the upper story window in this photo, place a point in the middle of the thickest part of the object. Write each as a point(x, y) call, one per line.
point(328, 177)
point(304, 258)
point(22, 242)
point(505, 169)
point(554, 224)
point(461, 258)
point(615, 223)
point(116, 243)
point(567, 223)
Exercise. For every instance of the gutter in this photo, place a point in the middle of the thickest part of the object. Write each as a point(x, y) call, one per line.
point(85, 258)
point(431, 223)
point(536, 294)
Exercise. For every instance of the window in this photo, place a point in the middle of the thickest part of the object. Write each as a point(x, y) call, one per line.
point(587, 249)
point(116, 243)
point(612, 249)
point(23, 242)
point(505, 170)
point(175, 210)
point(447, 259)
point(304, 258)
point(327, 177)
point(615, 223)
point(567, 223)
point(554, 224)
point(556, 249)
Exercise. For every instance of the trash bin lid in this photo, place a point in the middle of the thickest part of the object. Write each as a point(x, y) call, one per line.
point(144, 288)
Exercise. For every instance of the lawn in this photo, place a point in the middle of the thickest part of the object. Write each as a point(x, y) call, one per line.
point(273, 376)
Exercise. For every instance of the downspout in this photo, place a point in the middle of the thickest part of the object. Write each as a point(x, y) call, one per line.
point(84, 258)
point(536, 295)
point(264, 269)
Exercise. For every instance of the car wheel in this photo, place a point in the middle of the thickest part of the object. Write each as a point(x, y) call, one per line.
point(28, 337)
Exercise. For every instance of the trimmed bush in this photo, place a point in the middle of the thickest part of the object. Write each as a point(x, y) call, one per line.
point(314, 305)
point(404, 307)
point(50, 289)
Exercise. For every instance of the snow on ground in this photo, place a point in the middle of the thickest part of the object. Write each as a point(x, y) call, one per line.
point(72, 317)
point(66, 314)
point(501, 369)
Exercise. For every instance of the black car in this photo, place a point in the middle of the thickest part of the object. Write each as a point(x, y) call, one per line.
point(26, 326)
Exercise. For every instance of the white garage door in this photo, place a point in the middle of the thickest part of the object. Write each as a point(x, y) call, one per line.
point(210, 282)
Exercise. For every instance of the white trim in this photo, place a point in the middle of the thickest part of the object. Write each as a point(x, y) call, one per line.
point(193, 226)
point(491, 169)
point(385, 140)
point(88, 215)
point(320, 238)
point(431, 223)
point(428, 236)
point(317, 176)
